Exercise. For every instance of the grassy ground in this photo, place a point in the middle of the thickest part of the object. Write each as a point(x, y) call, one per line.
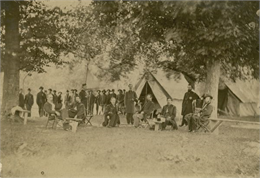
point(33, 151)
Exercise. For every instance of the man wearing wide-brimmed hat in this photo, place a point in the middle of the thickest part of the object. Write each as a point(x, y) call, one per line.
point(202, 117)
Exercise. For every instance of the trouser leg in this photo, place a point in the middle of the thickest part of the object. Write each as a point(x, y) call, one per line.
point(131, 118)
point(128, 118)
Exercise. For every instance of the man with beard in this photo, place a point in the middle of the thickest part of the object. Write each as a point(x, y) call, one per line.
point(187, 104)
point(169, 113)
point(29, 102)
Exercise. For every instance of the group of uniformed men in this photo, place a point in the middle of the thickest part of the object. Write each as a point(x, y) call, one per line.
point(194, 108)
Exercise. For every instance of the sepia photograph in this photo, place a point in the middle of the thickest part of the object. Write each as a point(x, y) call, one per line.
point(130, 89)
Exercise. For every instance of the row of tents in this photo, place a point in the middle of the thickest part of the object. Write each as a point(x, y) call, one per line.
point(240, 98)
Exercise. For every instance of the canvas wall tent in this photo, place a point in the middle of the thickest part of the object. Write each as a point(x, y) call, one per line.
point(162, 87)
point(235, 99)
point(240, 98)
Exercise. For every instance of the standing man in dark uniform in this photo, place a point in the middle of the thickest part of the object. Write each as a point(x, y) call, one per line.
point(55, 97)
point(91, 101)
point(82, 96)
point(21, 98)
point(103, 101)
point(40, 100)
point(130, 98)
point(187, 104)
point(29, 102)
point(120, 100)
point(97, 101)
point(113, 93)
point(67, 99)
point(108, 97)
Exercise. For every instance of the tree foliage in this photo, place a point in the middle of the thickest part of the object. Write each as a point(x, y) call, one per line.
point(44, 35)
point(190, 34)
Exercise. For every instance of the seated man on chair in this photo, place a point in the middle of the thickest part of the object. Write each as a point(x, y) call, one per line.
point(202, 117)
point(80, 109)
point(169, 113)
point(49, 108)
point(147, 109)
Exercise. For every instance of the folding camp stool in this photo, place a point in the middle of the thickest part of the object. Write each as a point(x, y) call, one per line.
point(203, 126)
point(88, 119)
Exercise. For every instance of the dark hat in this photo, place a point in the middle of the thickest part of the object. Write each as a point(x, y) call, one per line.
point(113, 90)
point(60, 92)
point(29, 89)
point(98, 91)
point(108, 90)
point(41, 88)
point(68, 91)
point(104, 91)
point(50, 89)
point(45, 90)
point(75, 90)
point(54, 91)
point(208, 95)
point(84, 84)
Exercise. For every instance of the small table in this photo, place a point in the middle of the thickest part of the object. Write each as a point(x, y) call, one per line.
point(158, 124)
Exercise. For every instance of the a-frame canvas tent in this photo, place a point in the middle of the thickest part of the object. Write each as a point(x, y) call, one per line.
point(240, 98)
point(162, 87)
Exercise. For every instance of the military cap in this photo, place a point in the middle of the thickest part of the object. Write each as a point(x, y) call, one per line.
point(104, 91)
point(113, 90)
point(50, 89)
point(75, 90)
point(68, 91)
point(29, 89)
point(84, 84)
point(41, 88)
point(54, 91)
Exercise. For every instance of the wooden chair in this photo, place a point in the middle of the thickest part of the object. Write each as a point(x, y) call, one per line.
point(51, 118)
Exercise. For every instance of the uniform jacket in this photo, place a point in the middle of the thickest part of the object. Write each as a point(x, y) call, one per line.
point(206, 111)
point(21, 100)
point(169, 111)
point(48, 107)
point(187, 102)
point(29, 100)
point(148, 107)
point(130, 98)
point(120, 98)
point(82, 95)
point(41, 98)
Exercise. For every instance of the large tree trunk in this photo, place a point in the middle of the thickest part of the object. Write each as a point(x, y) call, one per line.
point(11, 57)
point(212, 82)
